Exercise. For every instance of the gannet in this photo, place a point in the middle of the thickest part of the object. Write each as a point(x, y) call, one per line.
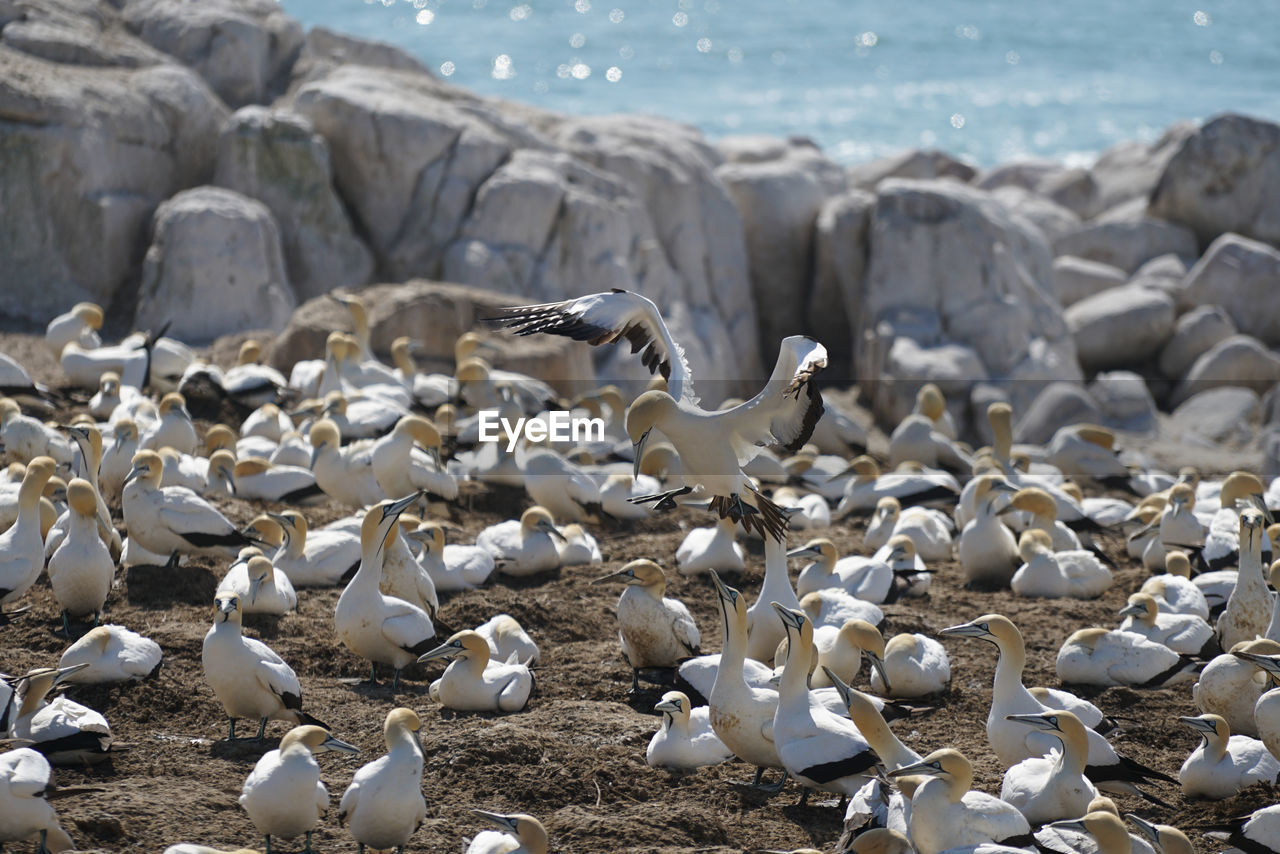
point(22, 545)
point(578, 548)
point(117, 460)
point(401, 468)
point(259, 586)
point(174, 429)
point(833, 607)
point(1164, 838)
point(713, 446)
point(838, 649)
point(1230, 685)
point(805, 511)
point(685, 740)
point(506, 637)
point(383, 806)
point(913, 666)
point(171, 518)
point(523, 547)
point(654, 631)
point(987, 551)
point(764, 630)
point(1222, 540)
point(620, 487)
point(866, 486)
point(523, 834)
point(429, 390)
point(1248, 609)
point(89, 440)
point(1043, 510)
point(1106, 828)
point(249, 381)
point(1266, 711)
point(1051, 787)
point(929, 529)
point(560, 486)
point(865, 578)
point(1097, 656)
point(80, 324)
point(1088, 450)
point(315, 558)
point(1068, 840)
point(268, 420)
point(819, 749)
point(403, 576)
point(1174, 592)
point(1184, 633)
point(256, 479)
point(246, 676)
point(372, 625)
point(283, 794)
point(111, 654)
point(946, 814)
point(874, 803)
point(343, 473)
point(1178, 527)
point(81, 570)
point(1256, 833)
point(473, 682)
point(452, 567)
point(84, 366)
point(26, 438)
point(66, 732)
point(916, 439)
point(1223, 764)
point(25, 813)
point(711, 548)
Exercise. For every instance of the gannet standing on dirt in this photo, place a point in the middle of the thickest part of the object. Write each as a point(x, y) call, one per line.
point(655, 631)
point(764, 630)
point(1052, 787)
point(81, 570)
point(283, 794)
point(946, 814)
point(713, 445)
point(111, 654)
point(523, 834)
point(172, 519)
point(383, 806)
point(1223, 764)
point(22, 545)
point(987, 551)
point(685, 740)
point(25, 813)
point(1266, 711)
point(1248, 610)
point(473, 682)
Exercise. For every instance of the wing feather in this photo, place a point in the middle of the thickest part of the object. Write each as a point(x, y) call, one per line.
point(787, 409)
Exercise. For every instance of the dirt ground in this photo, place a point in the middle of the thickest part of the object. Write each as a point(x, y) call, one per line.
point(575, 757)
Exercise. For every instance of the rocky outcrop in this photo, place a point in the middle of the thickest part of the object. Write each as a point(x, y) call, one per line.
point(1195, 332)
point(1075, 278)
point(1124, 401)
point(918, 164)
point(1126, 244)
point(1240, 275)
point(1058, 404)
point(839, 267)
point(1217, 415)
point(1120, 327)
point(1235, 361)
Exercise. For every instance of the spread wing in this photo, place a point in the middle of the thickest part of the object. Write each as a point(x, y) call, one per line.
point(604, 318)
point(788, 408)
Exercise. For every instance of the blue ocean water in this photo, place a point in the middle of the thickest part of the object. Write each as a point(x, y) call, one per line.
point(989, 80)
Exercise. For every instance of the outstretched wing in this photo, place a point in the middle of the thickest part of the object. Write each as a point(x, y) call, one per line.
point(788, 408)
point(603, 319)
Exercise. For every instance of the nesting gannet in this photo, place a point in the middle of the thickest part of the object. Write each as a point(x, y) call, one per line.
point(1043, 512)
point(805, 510)
point(384, 806)
point(523, 547)
point(713, 446)
point(522, 834)
point(174, 428)
point(1248, 610)
point(452, 567)
point(865, 578)
point(987, 551)
point(1222, 541)
point(259, 586)
point(711, 548)
point(429, 390)
point(834, 607)
point(343, 473)
point(839, 649)
point(1266, 711)
point(654, 631)
point(172, 518)
point(1075, 573)
point(685, 740)
point(1178, 527)
point(578, 548)
point(25, 813)
point(764, 631)
point(283, 794)
point(619, 487)
point(66, 732)
point(26, 438)
point(268, 421)
point(946, 814)
point(1256, 833)
point(866, 486)
point(22, 545)
point(315, 558)
point(80, 324)
point(506, 638)
point(930, 530)
point(1223, 764)
point(112, 654)
point(917, 439)
point(563, 488)
point(401, 468)
point(254, 478)
point(81, 570)
point(1184, 633)
point(246, 676)
point(1051, 787)
point(1105, 827)
point(913, 666)
point(374, 626)
point(1097, 656)
point(473, 682)
point(1230, 685)
point(1174, 592)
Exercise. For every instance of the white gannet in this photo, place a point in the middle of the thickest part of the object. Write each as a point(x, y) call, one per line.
point(172, 519)
point(84, 366)
point(249, 381)
point(112, 654)
point(403, 576)
point(1097, 656)
point(654, 631)
point(522, 834)
point(256, 479)
point(1222, 540)
point(259, 586)
point(22, 545)
point(1184, 633)
point(1273, 575)
point(916, 439)
point(946, 814)
point(866, 486)
point(1230, 685)
point(1104, 826)
point(383, 806)
point(269, 421)
point(839, 649)
point(834, 607)
point(987, 551)
point(524, 546)
point(81, 570)
point(1052, 787)
point(713, 445)
point(578, 548)
point(1256, 833)
point(174, 429)
point(246, 675)
point(560, 486)
point(804, 510)
point(1075, 573)
point(400, 467)
point(1088, 450)
point(1266, 711)
point(89, 440)
point(1178, 527)
point(283, 794)
point(685, 740)
point(867, 579)
point(315, 558)
point(343, 473)
point(1248, 610)
point(929, 529)
point(80, 324)
point(711, 548)
point(473, 682)
point(619, 487)
point(1043, 511)
point(874, 803)
point(429, 390)
point(452, 567)
point(25, 813)
point(181, 470)
point(764, 630)
point(1163, 838)
point(506, 637)
point(117, 460)
point(66, 732)
point(26, 438)
point(1174, 591)
point(374, 626)
point(913, 666)
point(1223, 764)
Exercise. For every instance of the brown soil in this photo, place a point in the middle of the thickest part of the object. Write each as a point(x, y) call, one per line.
point(575, 756)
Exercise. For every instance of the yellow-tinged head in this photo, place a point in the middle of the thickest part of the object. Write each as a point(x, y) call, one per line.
point(314, 738)
point(1239, 486)
point(641, 572)
point(1032, 542)
point(400, 720)
point(468, 645)
point(948, 764)
point(930, 402)
point(82, 497)
point(89, 313)
point(250, 353)
point(1035, 501)
point(148, 467)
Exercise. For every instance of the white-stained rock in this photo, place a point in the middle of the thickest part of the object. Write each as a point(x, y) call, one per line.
point(1124, 401)
point(214, 267)
point(1196, 331)
point(1059, 404)
point(1075, 278)
point(1223, 178)
point(907, 366)
point(1239, 360)
point(1049, 216)
point(1240, 275)
point(918, 164)
point(323, 50)
point(1167, 266)
point(840, 265)
point(1119, 327)
point(1126, 244)
point(1130, 170)
point(1218, 415)
point(1073, 189)
point(80, 33)
point(276, 157)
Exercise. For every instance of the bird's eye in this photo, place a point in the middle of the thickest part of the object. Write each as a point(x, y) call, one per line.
point(984, 627)
point(1053, 719)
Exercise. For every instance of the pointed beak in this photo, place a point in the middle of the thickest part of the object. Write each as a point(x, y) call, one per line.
point(551, 530)
point(1198, 724)
point(804, 551)
point(226, 606)
point(620, 575)
point(65, 672)
point(254, 586)
point(668, 706)
point(1268, 663)
point(920, 767)
point(395, 508)
point(789, 619)
point(845, 472)
point(1034, 721)
point(1132, 611)
point(1070, 824)
point(315, 455)
point(339, 745)
point(504, 821)
point(845, 692)
point(964, 630)
point(638, 448)
point(1146, 828)
point(445, 650)
point(877, 663)
point(134, 472)
point(721, 588)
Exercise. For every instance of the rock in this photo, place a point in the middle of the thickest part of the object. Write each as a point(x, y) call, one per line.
point(1124, 401)
point(840, 264)
point(1240, 275)
point(1049, 216)
point(1223, 178)
point(214, 267)
point(243, 48)
point(1270, 441)
point(1075, 278)
point(276, 157)
point(907, 366)
point(1168, 266)
point(1073, 189)
point(1217, 415)
point(1195, 332)
point(323, 50)
point(79, 33)
point(1119, 327)
point(1235, 361)
point(1023, 174)
point(920, 164)
point(88, 154)
point(1126, 245)
point(1058, 405)
point(1130, 170)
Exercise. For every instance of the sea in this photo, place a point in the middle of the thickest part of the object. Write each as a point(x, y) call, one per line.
point(984, 80)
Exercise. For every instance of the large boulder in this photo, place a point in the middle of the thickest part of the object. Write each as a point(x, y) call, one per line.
point(915, 163)
point(1049, 216)
point(1224, 178)
point(1130, 170)
point(1195, 332)
point(323, 50)
point(1240, 275)
point(87, 155)
point(907, 366)
point(1075, 278)
point(1119, 327)
point(214, 267)
point(276, 157)
point(839, 266)
point(1124, 401)
point(1126, 244)
point(79, 32)
point(1217, 415)
point(1235, 361)
point(1058, 405)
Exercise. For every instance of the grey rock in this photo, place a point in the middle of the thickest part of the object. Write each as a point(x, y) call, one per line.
point(1022, 174)
point(1240, 275)
point(1119, 327)
point(1073, 189)
point(1049, 216)
point(908, 365)
point(920, 164)
point(1168, 266)
point(1059, 404)
point(324, 50)
point(1235, 361)
point(1217, 415)
point(840, 264)
point(1130, 170)
point(78, 33)
point(1075, 278)
point(1195, 332)
point(1124, 401)
point(1127, 244)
